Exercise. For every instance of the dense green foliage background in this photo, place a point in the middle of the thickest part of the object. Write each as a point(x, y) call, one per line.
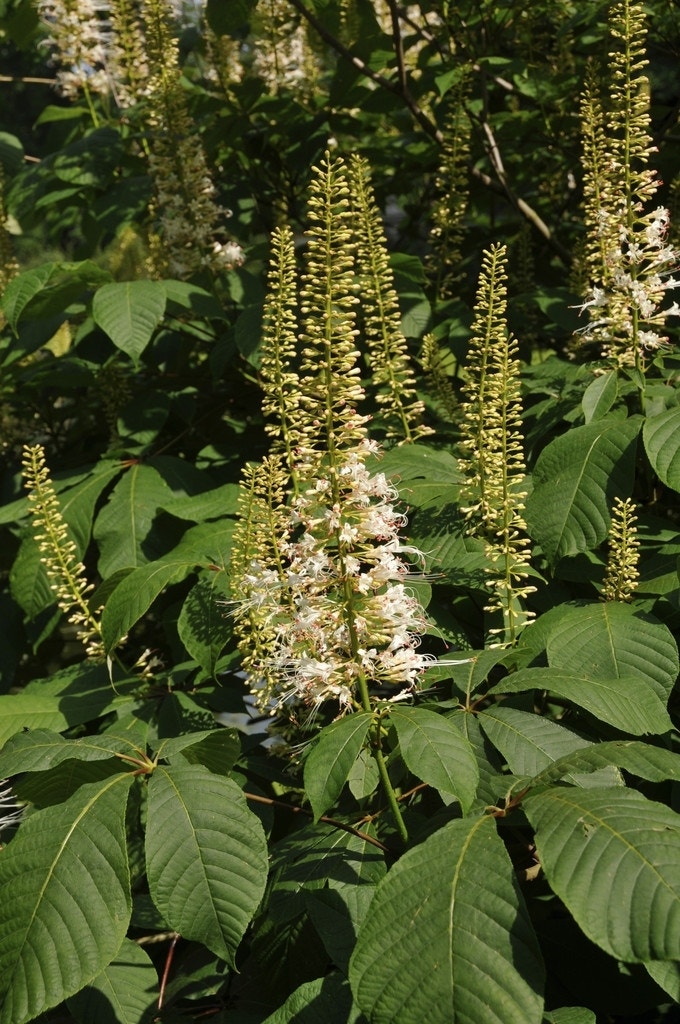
point(168, 866)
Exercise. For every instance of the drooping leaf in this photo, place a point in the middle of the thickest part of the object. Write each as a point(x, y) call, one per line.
point(327, 999)
point(609, 640)
point(40, 749)
point(129, 312)
point(64, 899)
point(19, 291)
point(134, 595)
point(661, 436)
point(330, 760)
point(586, 836)
point(215, 749)
point(203, 625)
point(123, 525)
point(666, 973)
point(642, 759)
point(33, 710)
point(125, 992)
point(437, 752)
point(570, 1015)
point(206, 856)
point(447, 923)
point(627, 703)
point(427, 476)
point(214, 504)
point(599, 396)
point(576, 479)
point(530, 743)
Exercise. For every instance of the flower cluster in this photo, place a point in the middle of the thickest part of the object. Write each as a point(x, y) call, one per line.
point(337, 606)
point(191, 237)
point(622, 573)
point(58, 551)
point(79, 38)
point(632, 311)
point(630, 261)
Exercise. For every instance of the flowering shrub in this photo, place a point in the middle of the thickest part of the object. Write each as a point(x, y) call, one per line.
point(340, 440)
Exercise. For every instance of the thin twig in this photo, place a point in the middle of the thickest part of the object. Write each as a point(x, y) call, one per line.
point(166, 971)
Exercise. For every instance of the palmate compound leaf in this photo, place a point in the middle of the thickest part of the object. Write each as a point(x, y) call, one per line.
point(576, 480)
point(448, 939)
point(64, 898)
point(331, 759)
point(206, 856)
point(613, 858)
point(437, 752)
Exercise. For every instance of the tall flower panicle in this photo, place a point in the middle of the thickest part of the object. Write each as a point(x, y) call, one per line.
point(79, 32)
point(283, 57)
point(325, 613)
point(630, 260)
point(622, 573)
point(127, 59)
point(281, 383)
point(393, 377)
point(491, 452)
point(65, 571)
point(191, 236)
point(452, 185)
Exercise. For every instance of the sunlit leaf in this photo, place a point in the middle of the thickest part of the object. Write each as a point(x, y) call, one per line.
point(448, 938)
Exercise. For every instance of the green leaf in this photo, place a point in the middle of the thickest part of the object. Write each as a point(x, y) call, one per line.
point(437, 752)
point(364, 776)
point(203, 625)
point(576, 479)
point(426, 476)
point(206, 856)
point(600, 396)
point(24, 287)
point(530, 743)
point(125, 992)
point(666, 973)
point(134, 595)
point(40, 749)
point(447, 925)
point(331, 759)
point(613, 858)
point(642, 759)
point(214, 504)
point(123, 526)
point(327, 999)
point(34, 710)
point(610, 640)
point(570, 1015)
point(661, 436)
point(627, 703)
point(64, 899)
point(215, 749)
point(129, 312)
